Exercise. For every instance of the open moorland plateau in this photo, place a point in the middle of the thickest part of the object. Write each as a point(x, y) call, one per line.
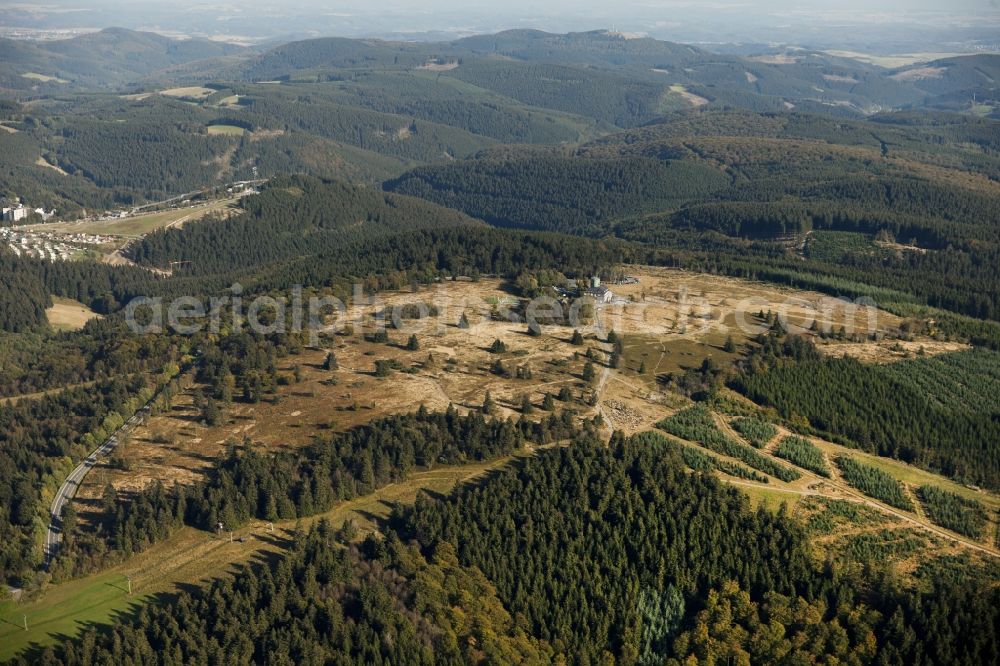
point(514, 348)
point(668, 321)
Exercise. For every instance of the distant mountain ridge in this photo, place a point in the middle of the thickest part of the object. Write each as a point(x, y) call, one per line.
point(110, 58)
point(657, 76)
point(810, 81)
point(200, 113)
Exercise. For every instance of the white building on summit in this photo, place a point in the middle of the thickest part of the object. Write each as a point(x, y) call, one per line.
point(597, 292)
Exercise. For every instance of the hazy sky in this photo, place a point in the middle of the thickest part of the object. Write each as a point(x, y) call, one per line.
point(535, 6)
point(879, 22)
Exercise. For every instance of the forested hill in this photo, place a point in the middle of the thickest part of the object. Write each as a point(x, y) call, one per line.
point(500, 168)
point(295, 217)
point(198, 114)
point(568, 72)
point(597, 47)
point(947, 75)
point(585, 554)
point(734, 156)
point(335, 52)
point(655, 72)
point(113, 57)
point(562, 194)
point(616, 549)
point(736, 184)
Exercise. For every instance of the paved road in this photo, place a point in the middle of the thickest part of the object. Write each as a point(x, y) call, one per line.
point(67, 491)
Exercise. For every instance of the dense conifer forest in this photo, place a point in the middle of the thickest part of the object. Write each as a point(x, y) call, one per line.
point(621, 554)
point(550, 507)
point(900, 410)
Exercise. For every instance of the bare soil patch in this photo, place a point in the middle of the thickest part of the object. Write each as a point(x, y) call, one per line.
point(42, 162)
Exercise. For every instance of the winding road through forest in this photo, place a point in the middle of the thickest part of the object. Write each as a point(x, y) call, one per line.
point(67, 491)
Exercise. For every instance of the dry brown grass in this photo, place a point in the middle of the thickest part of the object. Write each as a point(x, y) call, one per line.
point(888, 351)
point(840, 79)
point(453, 366)
point(138, 225)
point(709, 308)
point(689, 97)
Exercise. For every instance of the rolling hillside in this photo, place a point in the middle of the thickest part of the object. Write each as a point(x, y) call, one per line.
point(731, 185)
point(369, 110)
point(110, 58)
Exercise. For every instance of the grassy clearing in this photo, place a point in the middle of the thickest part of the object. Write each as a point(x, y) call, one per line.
point(68, 315)
point(437, 66)
point(42, 162)
point(771, 498)
point(658, 356)
point(226, 130)
point(139, 224)
point(981, 110)
point(677, 91)
point(190, 557)
point(453, 366)
point(35, 76)
point(892, 61)
point(192, 92)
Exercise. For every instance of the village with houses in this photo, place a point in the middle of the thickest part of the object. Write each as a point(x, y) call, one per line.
point(39, 234)
point(25, 239)
point(50, 246)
